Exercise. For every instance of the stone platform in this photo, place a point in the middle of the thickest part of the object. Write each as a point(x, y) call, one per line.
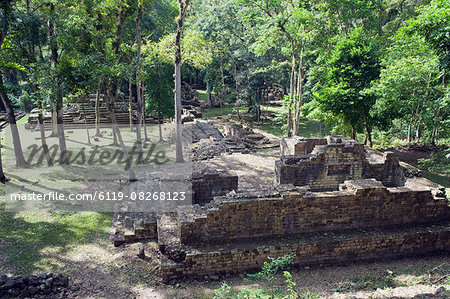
point(333, 201)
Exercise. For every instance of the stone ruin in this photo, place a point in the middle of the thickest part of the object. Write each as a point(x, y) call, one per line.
point(210, 142)
point(334, 201)
point(81, 113)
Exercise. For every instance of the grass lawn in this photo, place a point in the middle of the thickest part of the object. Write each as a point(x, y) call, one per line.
point(308, 128)
point(24, 119)
point(202, 95)
point(37, 241)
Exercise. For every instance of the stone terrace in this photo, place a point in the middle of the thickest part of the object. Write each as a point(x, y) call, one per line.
point(329, 201)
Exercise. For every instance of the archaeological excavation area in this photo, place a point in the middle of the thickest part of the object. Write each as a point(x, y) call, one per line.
point(327, 200)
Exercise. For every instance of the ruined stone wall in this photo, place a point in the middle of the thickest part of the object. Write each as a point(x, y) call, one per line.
point(332, 248)
point(299, 146)
point(388, 171)
point(364, 203)
point(325, 168)
point(210, 183)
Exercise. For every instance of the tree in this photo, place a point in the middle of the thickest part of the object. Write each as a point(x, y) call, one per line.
point(351, 67)
point(6, 14)
point(138, 79)
point(183, 5)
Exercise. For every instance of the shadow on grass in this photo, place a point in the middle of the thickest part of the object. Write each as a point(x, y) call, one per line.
point(26, 236)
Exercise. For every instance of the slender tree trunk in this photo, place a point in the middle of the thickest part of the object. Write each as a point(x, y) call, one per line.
point(369, 135)
point(144, 115)
point(85, 121)
point(43, 139)
point(208, 93)
point(64, 159)
point(54, 118)
point(130, 104)
point(183, 6)
point(291, 95)
point(418, 131)
point(160, 130)
point(20, 160)
point(138, 83)
point(300, 80)
point(2, 174)
point(238, 101)
point(59, 97)
point(410, 132)
point(111, 105)
point(116, 131)
point(97, 114)
point(353, 133)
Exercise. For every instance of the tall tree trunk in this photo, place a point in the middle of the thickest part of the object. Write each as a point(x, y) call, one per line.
point(97, 113)
point(116, 130)
point(130, 104)
point(369, 135)
point(64, 159)
point(183, 6)
point(111, 105)
point(144, 114)
point(208, 93)
point(291, 94)
point(54, 118)
point(410, 132)
point(85, 121)
point(2, 174)
point(238, 101)
point(20, 160)
point(418, 131)
point(160, 130)
point(138, 82)
point(59, 97)
point(353, 133)
point(43, 139)
point(300, 80)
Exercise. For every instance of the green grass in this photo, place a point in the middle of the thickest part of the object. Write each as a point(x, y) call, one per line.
point(24, 119)
point(31, 240)
point(224, 111)
point(308, 128)
point(202, 95)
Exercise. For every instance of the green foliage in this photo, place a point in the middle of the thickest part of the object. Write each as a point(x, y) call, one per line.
point(290, 285)
point(270, 289)
point(438, 162)
point(224, 292)
point(370, 281)
point(159, 89)
point(196, 51)
point(433, 23)
point(351, 67)
point(270, 269)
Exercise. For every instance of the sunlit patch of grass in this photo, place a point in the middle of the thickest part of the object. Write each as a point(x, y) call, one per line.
point(23, 120)
point(203, 95)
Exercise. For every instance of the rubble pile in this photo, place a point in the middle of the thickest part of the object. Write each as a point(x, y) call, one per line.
point(43, 285)
point(191, 104)
point(189, 97)
point(209, 142)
